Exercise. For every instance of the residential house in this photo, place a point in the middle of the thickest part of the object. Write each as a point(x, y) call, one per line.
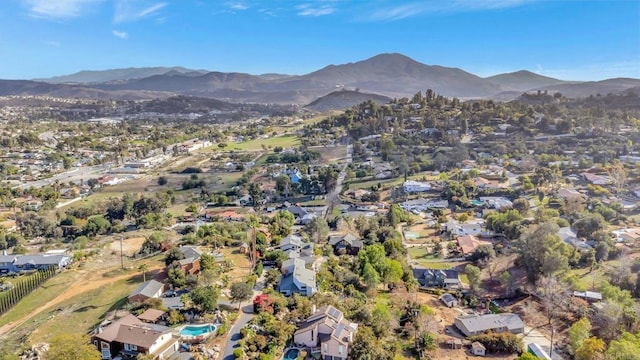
point(17, 263)
point(424, 204)
point(496, 202)
point(129, 336)
point(294, 247)
point(471, 325)
point(190, 265)
point(569, 236)
point(595, 179)
point(449, 300)
point(147, 290)
point(296, 278)
point(297, 211)
point(411, 186)
point(327, 332)
point(626, 235)
point(469, 243)
point(291, 242)
point(590, 296)
point(437, 278)
point(478, 349)
point(566, 193)
point(467, 228)
point(347, 244)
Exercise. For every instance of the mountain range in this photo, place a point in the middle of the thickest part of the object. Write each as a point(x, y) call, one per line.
point(391, 75)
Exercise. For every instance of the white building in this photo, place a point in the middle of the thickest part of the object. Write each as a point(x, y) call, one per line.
point(411, 186)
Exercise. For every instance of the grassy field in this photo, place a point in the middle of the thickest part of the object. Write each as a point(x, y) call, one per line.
point(82, 313)
point(368, 184)
point(423, 257)
point(286, 141)
point(40, 296)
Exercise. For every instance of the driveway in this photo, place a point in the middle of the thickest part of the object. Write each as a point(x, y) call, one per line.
point(234, 335)
point(245, 316)
point(535, 336)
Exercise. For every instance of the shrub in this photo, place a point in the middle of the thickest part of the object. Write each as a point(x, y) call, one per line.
point(499, 342)
point(238, 353)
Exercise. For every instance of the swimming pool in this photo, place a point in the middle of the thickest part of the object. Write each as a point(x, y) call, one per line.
point(197, 330)
point(291, 354)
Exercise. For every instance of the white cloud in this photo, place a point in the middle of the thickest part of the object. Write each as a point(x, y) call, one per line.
point(238, 6)
point(128, 10)
point(53, 43)
point(59, 9)
point(415, 8)
point(120, 34)
point(315, 10)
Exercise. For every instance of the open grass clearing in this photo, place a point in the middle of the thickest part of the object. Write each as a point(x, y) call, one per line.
point(285, 141)
point(241, 264)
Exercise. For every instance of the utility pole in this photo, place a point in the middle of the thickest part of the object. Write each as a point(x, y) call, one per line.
point(121, 254)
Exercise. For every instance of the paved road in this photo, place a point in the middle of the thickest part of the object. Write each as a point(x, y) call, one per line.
point(234, 335)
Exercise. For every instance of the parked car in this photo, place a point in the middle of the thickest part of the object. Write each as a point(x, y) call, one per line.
point(170, 293)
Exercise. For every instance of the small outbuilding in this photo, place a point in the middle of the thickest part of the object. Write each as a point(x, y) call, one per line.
point(449, 300)
point(478, 349)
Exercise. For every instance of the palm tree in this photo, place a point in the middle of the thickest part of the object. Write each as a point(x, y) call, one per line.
point(144, 268)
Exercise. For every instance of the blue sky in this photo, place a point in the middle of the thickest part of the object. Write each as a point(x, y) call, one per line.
point(567, 39)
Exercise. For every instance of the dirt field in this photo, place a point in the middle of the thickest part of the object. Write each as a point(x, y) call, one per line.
point(129, 246)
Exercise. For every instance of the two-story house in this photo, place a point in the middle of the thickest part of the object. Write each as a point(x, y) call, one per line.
point(296, 278)
point(347, 244)
point(327, 332)
point(294, 247)
point(129, 336)
point(437, 278)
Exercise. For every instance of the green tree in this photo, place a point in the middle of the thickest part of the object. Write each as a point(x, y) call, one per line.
point(625, 348)
point(507, 282)
point(591, 349)
point(391, 272)
point(96, 225)
point(72, 346)
point(370, 276)
point(174, 254)
point(240, 291)
point(162, 180)
point(205, 297)
point(426, 342)
point(177, 278)
point(579, 332)
point(207, 262)
point(527, 356)
point(144, 268)
point(318, 229)
point(474, 275)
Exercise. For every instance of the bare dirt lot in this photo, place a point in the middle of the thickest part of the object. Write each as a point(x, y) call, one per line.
point(129, 246)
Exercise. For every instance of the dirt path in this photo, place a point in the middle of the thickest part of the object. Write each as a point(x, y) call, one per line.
point(80, 286)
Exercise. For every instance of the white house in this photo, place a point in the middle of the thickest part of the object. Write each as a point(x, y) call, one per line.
point(411, 186)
